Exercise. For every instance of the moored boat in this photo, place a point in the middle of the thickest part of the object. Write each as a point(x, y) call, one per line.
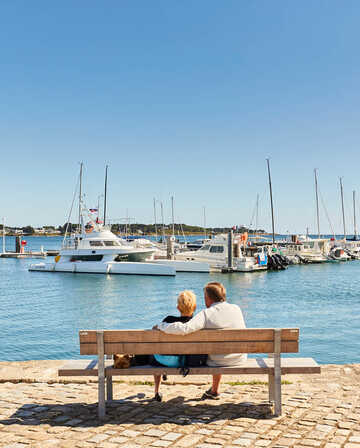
point(216, 253)
point(97, 250)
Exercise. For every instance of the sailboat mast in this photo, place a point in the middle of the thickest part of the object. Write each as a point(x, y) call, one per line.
point(355, 230)
point(172, 215)
point(317, 202)
point(205, 235)
point(105, 193)
point(342, 205)
point(271, 201)
point(80, 195)
point(257, 213)
point(3, 234)
point(162, 220)
point(155, 219)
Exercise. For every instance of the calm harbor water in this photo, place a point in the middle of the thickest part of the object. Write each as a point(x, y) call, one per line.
point(41, 313)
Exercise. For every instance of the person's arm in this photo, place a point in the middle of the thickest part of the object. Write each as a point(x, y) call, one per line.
point(194, 324)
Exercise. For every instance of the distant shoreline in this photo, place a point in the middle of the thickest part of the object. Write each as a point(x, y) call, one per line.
point(51, 235)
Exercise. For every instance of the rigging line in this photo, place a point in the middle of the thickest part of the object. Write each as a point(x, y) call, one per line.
point(253, 215)
point(182, 231)
point(71, 208)
point(349, 209)
point(261, 198)
point(356, 205)
point(257, 203)
point(326, 213)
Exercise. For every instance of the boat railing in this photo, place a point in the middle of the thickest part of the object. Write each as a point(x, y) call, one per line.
point(68, 245)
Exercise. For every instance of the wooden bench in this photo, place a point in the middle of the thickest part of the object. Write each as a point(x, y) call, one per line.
point(271, 341)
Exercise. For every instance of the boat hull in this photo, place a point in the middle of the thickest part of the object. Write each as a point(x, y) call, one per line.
point(125, 268)
point(185, 266)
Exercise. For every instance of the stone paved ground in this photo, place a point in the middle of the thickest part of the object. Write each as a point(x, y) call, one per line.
point(319, 411)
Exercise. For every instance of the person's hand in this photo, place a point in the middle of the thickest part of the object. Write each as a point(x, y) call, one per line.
point(155, 327)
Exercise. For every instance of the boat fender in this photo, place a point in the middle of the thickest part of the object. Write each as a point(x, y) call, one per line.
point(57, 258)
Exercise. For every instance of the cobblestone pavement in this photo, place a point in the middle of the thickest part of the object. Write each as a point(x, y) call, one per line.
point(319, 411)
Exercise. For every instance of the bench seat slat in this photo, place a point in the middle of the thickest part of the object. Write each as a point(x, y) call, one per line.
point(82, 367)
point(246, 334)
point(148, 348)
point(250, 366)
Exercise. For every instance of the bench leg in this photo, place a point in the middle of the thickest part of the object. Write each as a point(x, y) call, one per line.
point(275, 378)
point(109, 388)
point(101, 374)
point(101, 390)
point(277, 384)
point(271, 387)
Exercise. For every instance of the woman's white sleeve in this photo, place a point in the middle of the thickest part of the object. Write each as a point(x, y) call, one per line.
point(195, 324)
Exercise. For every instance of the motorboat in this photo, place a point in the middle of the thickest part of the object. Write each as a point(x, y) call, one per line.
point(196, 244)
point(95, 249)
point(163, 255)
point(338, 253)
point(215, 252)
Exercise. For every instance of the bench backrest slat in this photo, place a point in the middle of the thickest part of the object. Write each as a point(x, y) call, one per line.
point(249, 340)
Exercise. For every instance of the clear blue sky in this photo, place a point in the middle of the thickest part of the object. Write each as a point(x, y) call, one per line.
point(180, 98)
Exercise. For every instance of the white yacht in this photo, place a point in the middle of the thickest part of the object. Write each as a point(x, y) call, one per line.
point(215, 252)
point(97, 250)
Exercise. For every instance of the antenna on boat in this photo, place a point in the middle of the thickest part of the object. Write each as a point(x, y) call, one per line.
point(271, 201)
point(155, 219)
point(355, 231)
point(80, 195)
point(105, 192)
point(317, 202)
point(342, 205)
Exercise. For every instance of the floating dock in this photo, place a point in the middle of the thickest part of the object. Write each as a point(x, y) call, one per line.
point(19, 251)
point(23, 255)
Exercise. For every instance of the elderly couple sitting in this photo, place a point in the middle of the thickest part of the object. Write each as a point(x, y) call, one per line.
point(218, 314)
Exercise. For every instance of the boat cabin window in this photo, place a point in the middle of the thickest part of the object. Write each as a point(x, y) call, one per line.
point(96, 243)
point(86, 258)
point(111, 243)
point(217, 249)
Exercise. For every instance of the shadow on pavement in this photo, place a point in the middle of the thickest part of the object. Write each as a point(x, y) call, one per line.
point(178, 410)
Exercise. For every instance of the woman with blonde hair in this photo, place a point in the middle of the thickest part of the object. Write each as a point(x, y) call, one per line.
point(186, 305)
